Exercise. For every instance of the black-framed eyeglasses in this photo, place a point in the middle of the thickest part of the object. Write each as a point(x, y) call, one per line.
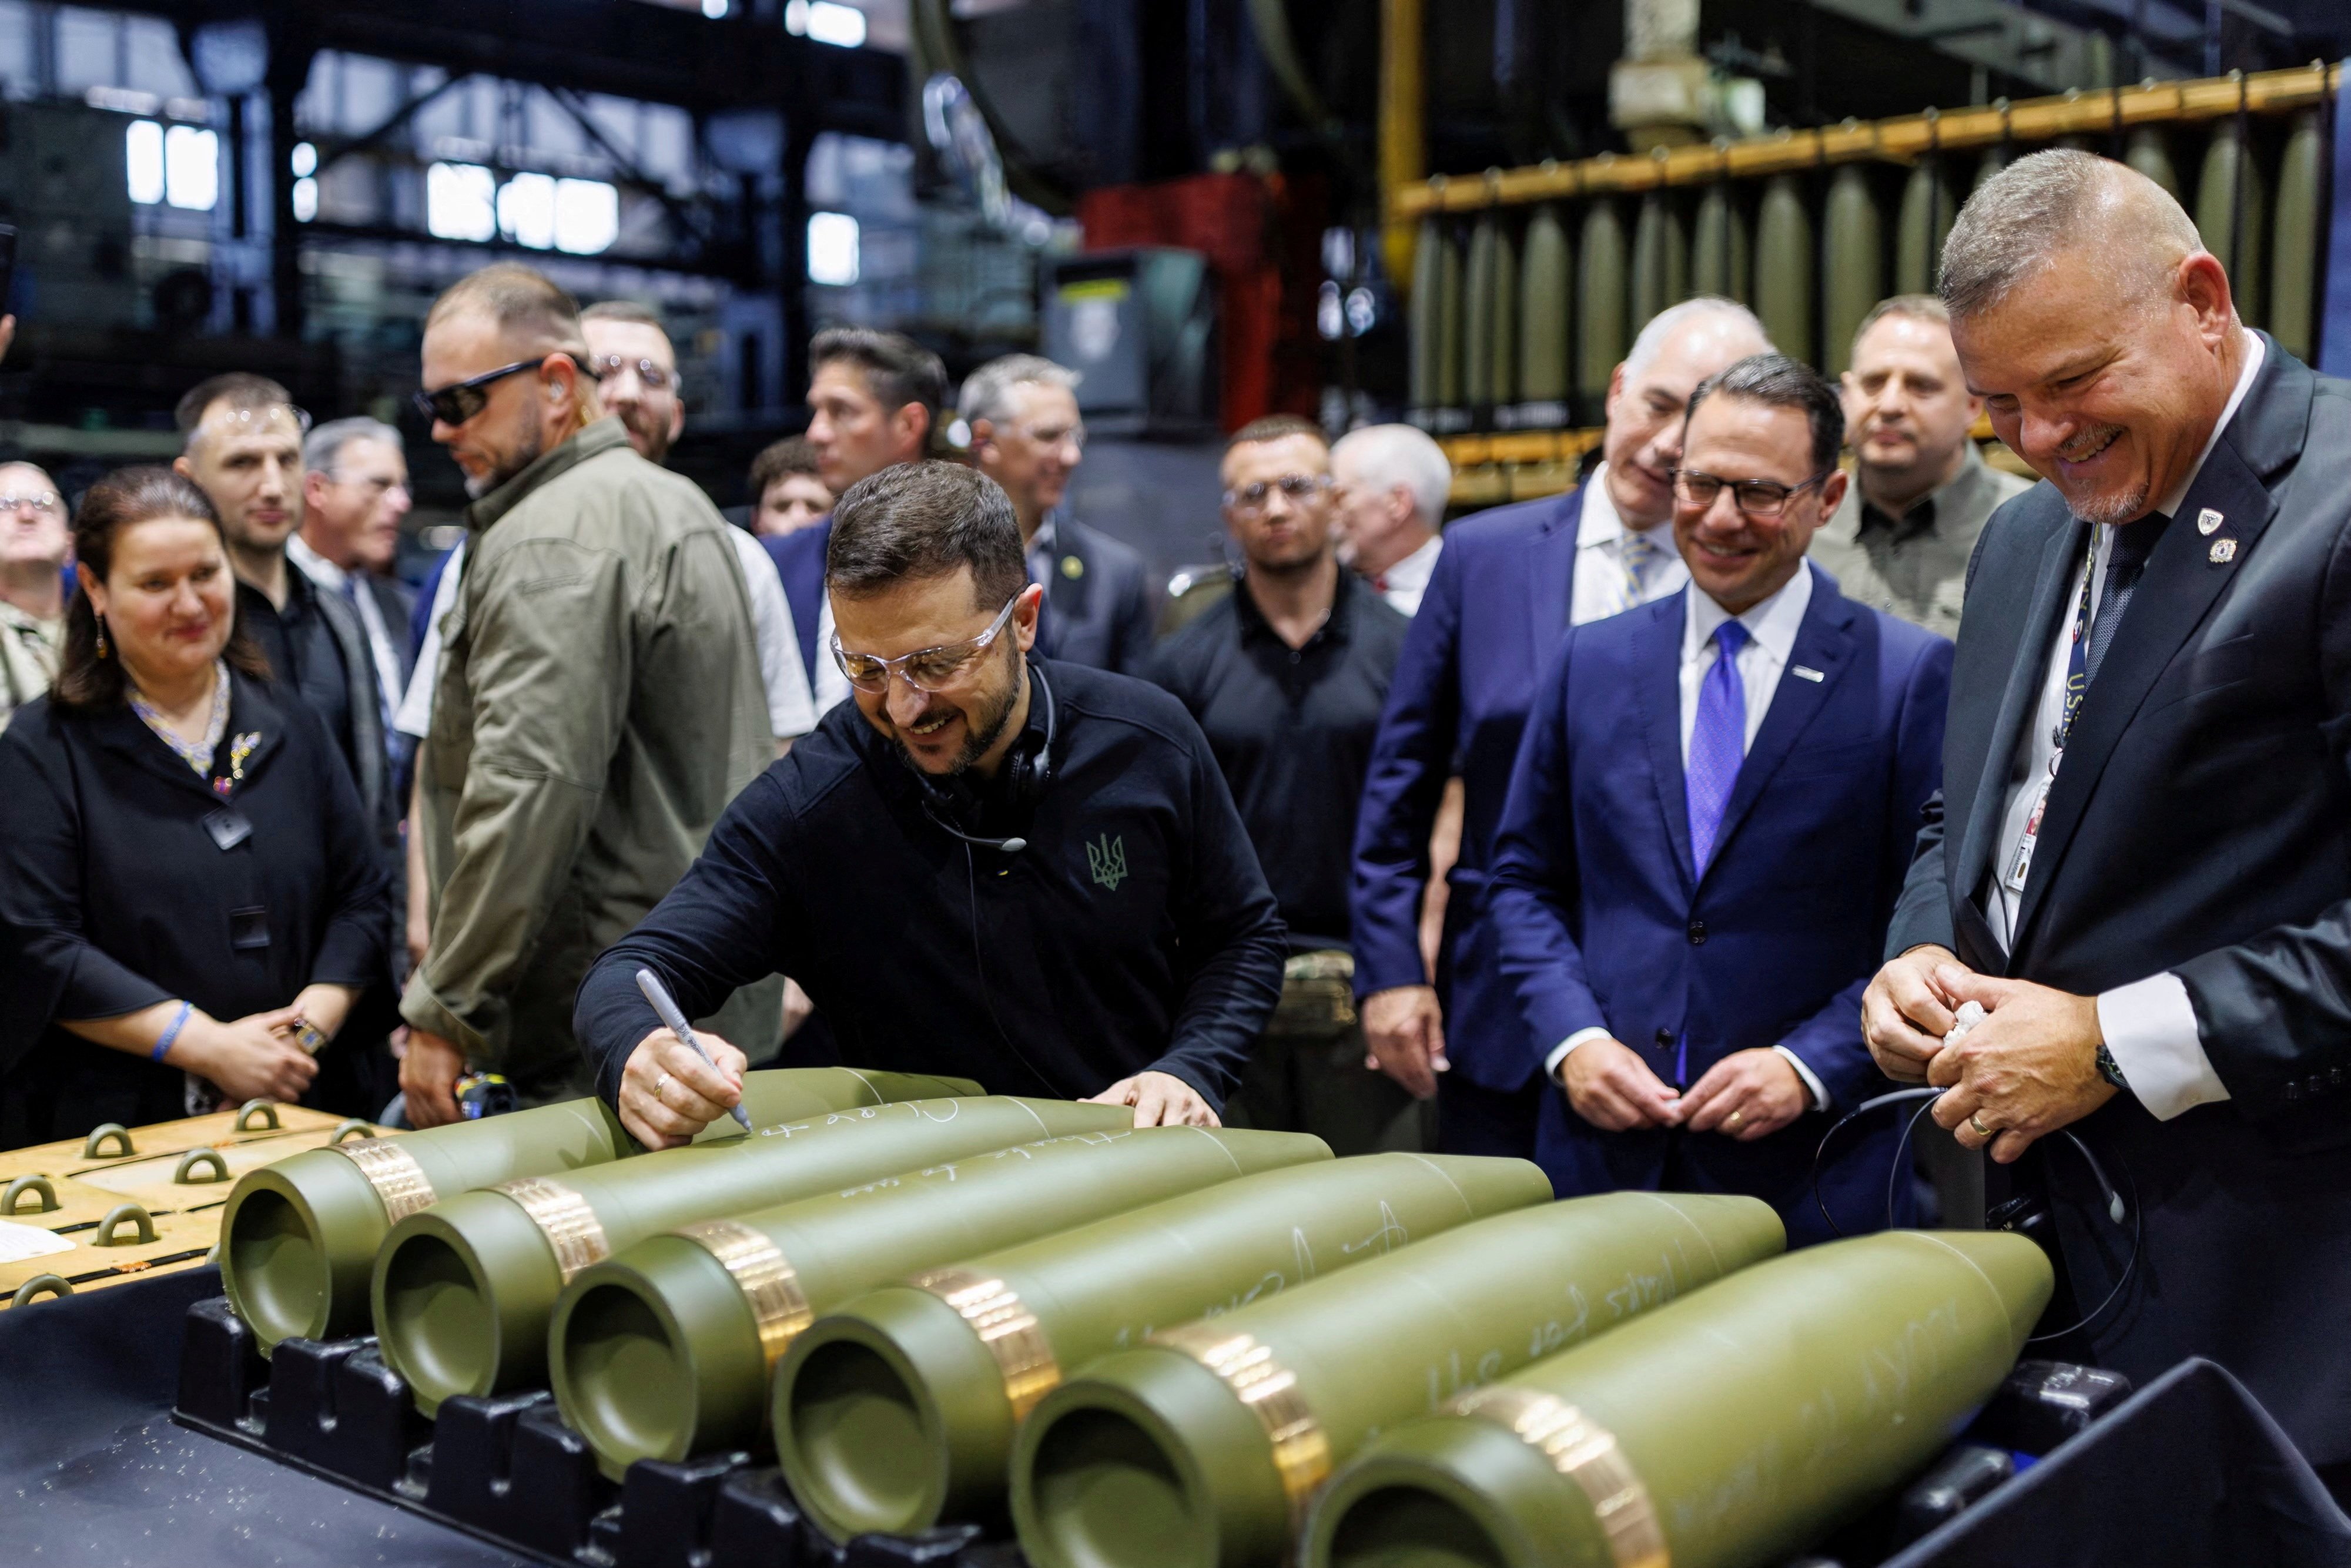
point(1753, 498)
point(926, 669)
point(461, 400)
point(650, 376)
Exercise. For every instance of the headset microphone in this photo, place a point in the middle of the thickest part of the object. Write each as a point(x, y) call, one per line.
point(1002, 846)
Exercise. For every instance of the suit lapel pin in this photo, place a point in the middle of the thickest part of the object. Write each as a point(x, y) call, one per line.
point(2223, 551)
point(2208, 519)
point(1805, 673)
point(1073, 568)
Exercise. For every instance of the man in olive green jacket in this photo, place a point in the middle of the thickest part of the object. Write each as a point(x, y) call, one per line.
point(599, 701)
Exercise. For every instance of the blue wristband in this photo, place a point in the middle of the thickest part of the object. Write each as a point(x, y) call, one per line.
point(164, 1046)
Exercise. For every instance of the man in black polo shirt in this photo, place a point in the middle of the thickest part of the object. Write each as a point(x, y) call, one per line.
point(985, 865)
point(1287, 675)
point(242, 439)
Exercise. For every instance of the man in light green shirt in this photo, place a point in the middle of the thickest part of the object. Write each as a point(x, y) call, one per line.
point(1921, 493)
point(34, 543)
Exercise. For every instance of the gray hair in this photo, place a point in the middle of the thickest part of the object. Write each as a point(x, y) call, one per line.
point(1776, 381)
point(2057, 200)
point(325, 444)
point(987, 390)
point(1387, 455)
point(1673, 319)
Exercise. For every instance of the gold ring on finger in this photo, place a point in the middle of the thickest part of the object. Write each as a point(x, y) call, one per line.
point(1975, 1120)
point(1732, 1120)
point(659, 1084)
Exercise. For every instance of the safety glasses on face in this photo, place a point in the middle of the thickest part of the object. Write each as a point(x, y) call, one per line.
point(1052, 436)
point(1753, 498)
point(1296, 487)
point(927, 669)
point(461, 400)
point(650, 376)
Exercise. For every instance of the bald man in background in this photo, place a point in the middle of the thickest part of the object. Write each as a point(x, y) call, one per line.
point(1508, 585)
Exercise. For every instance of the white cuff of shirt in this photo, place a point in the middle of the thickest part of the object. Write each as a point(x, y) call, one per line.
point(1812, 1085)
point(1559, 1052)
point(2151, 1027)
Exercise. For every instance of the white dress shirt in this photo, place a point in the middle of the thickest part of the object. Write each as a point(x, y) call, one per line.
point(415, 715)
point(791, 707)
point(1601, 587)
point(832, 685)
point(2149, 1025)
point(1404, 584)
point(1771, 627)
point(328, 578)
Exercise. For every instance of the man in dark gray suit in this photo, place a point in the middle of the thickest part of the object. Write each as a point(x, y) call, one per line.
point(1101, 607)
point(2142, 864)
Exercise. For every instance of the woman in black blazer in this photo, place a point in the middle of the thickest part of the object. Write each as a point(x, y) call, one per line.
point(189, 897)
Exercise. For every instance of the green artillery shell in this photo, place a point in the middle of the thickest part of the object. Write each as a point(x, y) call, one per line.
point(462, 1291)
point(898, 1410)
point(1660, 257)
point(1783, 266)
point(1732, 1428)
point(2232, 215)
point(1481, 286)
point(1543, 292)
point(1928, 208)
point(299, 1238)
point(1199, 1449)
point(2293, 248)
point(664, 1350)
point(1852, 262)
point(1603, 302)
point(2150, 153)
point(1719, 248)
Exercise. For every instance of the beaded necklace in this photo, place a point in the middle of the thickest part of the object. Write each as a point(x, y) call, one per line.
point(196, 754)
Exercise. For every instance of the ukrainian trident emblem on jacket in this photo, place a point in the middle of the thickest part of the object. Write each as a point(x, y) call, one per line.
point(1107, 860)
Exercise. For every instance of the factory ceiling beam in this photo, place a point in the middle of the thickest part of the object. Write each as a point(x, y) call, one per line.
point(654, 53)
point(368, 141)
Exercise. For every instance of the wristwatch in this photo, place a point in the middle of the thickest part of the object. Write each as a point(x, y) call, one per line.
point(2109, 1069)
point(310, 1037)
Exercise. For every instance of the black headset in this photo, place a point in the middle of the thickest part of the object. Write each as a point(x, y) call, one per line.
point(2026, 1216)
point(1028, 774)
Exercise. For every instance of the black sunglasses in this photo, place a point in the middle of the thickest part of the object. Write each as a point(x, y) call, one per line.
point(461, 400)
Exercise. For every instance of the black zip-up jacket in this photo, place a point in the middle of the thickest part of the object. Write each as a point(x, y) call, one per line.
point(1134, 933)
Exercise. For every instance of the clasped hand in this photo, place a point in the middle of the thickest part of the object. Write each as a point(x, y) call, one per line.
point(2030, 1068)
point(1747, 1095)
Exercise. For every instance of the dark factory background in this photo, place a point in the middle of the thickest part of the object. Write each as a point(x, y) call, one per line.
point(1230, 200)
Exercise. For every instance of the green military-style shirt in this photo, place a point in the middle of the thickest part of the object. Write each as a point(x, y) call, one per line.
point(599, 704)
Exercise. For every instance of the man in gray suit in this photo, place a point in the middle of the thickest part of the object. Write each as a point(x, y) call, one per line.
point(2141, 861)
point(1101, 607)
point(1920, 492)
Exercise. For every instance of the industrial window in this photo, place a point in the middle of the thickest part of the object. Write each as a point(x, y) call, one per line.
point(832, 248)
point(178, 164)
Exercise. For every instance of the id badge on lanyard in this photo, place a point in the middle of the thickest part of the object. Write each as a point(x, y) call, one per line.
point(2077, 682)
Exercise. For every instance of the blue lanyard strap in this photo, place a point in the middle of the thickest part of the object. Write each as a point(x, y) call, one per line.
point(2077, 658)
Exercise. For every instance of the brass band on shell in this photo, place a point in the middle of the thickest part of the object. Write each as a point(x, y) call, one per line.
point(768, 1281)
point(571, 1228)
point(399, 1181)
point(1006, 1328)
point(1587, 1454)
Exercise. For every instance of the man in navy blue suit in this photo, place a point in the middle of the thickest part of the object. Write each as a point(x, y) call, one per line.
point(1508, 584)
point(1708, 828)
point(873, 401)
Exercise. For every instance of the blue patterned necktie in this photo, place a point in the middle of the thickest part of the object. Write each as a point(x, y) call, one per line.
point(2126, 563)
point(1717, 743)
